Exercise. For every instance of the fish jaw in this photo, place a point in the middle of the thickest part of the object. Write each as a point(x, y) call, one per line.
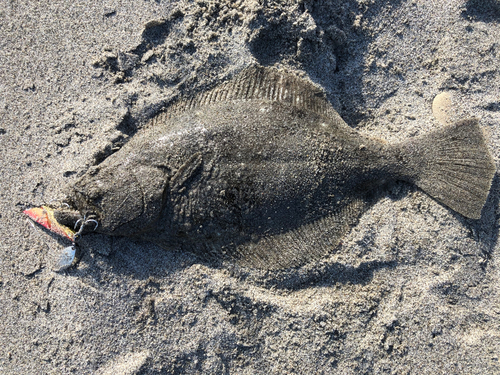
point(45, 217)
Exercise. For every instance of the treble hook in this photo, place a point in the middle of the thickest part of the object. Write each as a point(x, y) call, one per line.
point(84, 221)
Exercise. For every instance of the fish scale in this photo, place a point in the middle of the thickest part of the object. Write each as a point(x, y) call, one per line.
point(263, 171)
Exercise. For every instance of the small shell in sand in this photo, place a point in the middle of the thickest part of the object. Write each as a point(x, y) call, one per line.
point(442, 108)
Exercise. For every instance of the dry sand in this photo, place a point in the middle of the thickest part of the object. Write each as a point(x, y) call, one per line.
point(414, 289)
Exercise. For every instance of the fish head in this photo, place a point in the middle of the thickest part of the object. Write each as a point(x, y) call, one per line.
point(125, 200)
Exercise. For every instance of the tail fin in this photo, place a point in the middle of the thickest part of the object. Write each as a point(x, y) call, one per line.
point(453, 165)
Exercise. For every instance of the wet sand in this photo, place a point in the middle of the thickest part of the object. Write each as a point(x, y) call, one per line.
point(414, 288)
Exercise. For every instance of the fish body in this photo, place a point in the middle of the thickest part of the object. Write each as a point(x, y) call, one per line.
point(263, 171)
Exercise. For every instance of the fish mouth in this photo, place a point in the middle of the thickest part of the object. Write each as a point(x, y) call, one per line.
point(67, 217)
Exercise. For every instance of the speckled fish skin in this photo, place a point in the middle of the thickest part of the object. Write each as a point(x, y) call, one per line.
point(262, 170)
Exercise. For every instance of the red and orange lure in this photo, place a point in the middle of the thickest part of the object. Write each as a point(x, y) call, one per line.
point(45, 217)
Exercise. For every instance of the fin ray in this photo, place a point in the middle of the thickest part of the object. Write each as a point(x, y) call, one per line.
point(454, 166)
point(259, 83)
point(307, 243)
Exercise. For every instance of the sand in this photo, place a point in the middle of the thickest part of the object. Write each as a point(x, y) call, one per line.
point(414, 288)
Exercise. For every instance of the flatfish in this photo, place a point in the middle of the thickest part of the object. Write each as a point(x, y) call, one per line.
point(263, 171)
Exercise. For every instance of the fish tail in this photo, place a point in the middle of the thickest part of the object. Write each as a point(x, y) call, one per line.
point(452, 165)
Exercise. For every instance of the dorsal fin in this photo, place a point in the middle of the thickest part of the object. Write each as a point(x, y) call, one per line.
point(255, 83)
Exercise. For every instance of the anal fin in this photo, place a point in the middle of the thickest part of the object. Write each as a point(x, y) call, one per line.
point(304, 244)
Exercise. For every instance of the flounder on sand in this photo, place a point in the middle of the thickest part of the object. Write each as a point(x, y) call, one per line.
point(262, 170)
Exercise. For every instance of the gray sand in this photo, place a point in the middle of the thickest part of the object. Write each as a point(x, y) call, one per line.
point(414, 288)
